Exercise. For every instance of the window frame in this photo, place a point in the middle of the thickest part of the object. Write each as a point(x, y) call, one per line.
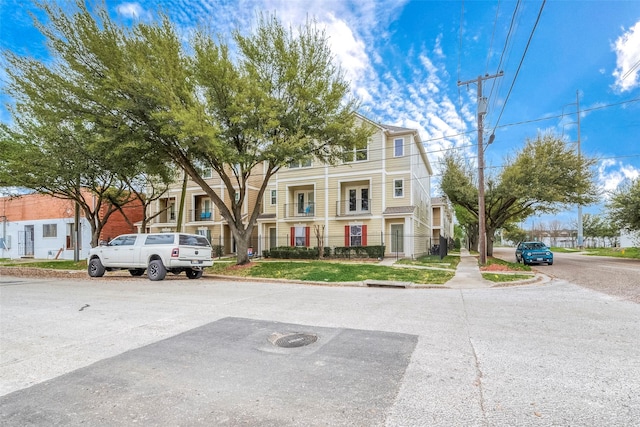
point(401, 188)
point(49, 231)
point(273, 197)
point(300, 164)
point(396, 147)
point(356, 151)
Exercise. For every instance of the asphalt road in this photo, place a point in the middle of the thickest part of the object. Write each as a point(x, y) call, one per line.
point(618, 277)
point(201, 352)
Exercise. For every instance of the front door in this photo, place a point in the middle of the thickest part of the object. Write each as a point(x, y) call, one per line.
point(25, 241)
point(273, 240)
point(397, 238)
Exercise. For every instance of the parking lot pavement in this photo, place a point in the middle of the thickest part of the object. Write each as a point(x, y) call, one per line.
point(202, 352)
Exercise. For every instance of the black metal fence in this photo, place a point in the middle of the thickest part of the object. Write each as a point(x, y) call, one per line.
point(337, 245)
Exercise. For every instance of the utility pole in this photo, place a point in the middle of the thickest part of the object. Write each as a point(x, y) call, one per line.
point(482, 110)
point(580, 231)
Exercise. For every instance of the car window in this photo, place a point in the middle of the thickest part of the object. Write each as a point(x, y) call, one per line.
point(159, 239)
point(193, 240)
point(118, 241)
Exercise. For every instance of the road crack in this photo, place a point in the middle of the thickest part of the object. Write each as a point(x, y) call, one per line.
point(478, 379)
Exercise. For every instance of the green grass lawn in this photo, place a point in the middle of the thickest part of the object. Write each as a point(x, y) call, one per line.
point(449, 261)
point(615, 252)
point(505, 278)
point(510, 265)
point(54, 264)
point(326, 271)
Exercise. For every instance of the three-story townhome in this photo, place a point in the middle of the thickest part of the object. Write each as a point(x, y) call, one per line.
point(380, 196)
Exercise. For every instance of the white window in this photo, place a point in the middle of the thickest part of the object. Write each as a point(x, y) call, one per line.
point(205, 212)
point(301, 236)
point(355, 235)
point(398, 147)
point(398, 188)
point(49, 230)
point(273, 197)
point(306, 163)
point(358, 199)
point(361, 152)
point(237, 196)
point(306, 205)
point(204, 171)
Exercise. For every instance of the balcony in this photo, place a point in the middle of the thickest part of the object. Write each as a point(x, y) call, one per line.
point(353, 207)
point(297, 210)
point(201, 215)
point(165, 218)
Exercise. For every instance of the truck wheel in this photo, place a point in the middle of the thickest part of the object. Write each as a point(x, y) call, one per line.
point(137, 272)
point(95, 268)
point(194, 274)
point(156, 270)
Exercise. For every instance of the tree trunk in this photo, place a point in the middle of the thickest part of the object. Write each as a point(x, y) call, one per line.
point(490, 237)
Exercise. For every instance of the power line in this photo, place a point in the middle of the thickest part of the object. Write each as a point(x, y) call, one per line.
point(520, 64)
point(493, 33)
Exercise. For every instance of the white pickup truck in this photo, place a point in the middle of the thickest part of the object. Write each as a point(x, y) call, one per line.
point(157, 253)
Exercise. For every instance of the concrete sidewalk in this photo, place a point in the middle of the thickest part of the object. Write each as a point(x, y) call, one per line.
point(467, 275)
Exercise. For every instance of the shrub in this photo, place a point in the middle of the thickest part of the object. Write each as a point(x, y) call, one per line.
point(359, 251)
point(218, 250)
point(293, 252)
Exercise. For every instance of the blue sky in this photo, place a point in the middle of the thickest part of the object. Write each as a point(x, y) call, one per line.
point(405, 58)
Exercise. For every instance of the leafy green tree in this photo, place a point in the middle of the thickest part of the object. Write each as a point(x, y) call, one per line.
point(514, 234)
point(273, 98)
point(50, 158)
point(544, 177)
point(58, 143)
point(624, 206)
point(469, 226)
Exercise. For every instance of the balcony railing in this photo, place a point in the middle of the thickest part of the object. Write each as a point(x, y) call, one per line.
point(165, 217)
point(295, 210)
point(350, 207)
point(201, 215)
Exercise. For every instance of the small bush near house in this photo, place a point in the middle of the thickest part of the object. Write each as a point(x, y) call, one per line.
point(218, 250)
point(359, 251)
point(292, 252)
point(456, 244)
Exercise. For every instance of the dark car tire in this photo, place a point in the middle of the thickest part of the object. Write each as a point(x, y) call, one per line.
point(550, 263)
point(194, 274)
point(137, 272)
point(95, 268)
point(156, 270)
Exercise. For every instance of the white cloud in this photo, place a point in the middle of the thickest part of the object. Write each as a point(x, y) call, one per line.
point(348, 48)
point(627, 49)
point(612, 173)
point(130, 10)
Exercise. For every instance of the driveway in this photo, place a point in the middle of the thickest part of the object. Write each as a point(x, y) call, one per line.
point(203, 352)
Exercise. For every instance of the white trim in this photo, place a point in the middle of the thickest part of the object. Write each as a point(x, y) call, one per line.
point(395, 140)
point(394, 188)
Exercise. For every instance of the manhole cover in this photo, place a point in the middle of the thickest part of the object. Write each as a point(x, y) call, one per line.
point(293, 340)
